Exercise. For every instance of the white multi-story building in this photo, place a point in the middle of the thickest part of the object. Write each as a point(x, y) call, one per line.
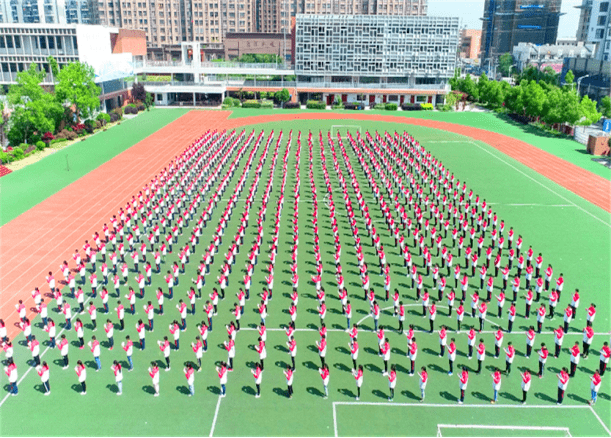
point(48, 11)
point(595, 26)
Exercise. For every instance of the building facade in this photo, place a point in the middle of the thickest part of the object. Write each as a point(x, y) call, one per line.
point(238, 44)
point(595, 26)
point(470, 43)
point(110, 51)
point(506, 23)
point(527, 54)
point(48, 11)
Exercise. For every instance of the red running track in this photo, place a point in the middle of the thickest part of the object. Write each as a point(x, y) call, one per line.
point(41, 238)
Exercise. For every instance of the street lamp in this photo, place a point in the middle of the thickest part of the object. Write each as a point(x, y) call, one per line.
point(579, 83)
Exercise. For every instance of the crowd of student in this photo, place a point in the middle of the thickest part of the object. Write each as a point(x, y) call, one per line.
point(425, 208)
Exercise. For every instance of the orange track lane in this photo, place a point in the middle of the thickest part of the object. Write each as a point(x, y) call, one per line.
point(41, 238)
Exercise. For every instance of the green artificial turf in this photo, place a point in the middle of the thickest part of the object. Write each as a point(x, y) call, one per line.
point(575, 239)
point(27, 187)
point(566, 149)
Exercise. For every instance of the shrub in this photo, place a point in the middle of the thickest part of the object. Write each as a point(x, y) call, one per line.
point(24, 146)
point(141, 107)
point(411, 107)
point(338, 105)
point(89, 125)
point(251, 104)
point(236, 101)
point(47, 137)
point(103, 117)
point(18, 153)
point(40, 145)
point(114, 117)
point(118, 112)
point(29, 150)
point(427, 106)
point(292, 105)
point(380, 106)
point(71, 135)
point(58, 140)
point(267, 104)
point(228, 102)
point(6, 158)
point(316, 104)
point(391, 107)
point(353, 106)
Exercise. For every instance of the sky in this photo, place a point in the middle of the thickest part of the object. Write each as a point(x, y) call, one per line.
point(470, 12)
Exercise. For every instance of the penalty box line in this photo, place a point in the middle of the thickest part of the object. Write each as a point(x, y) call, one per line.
point(463, 406)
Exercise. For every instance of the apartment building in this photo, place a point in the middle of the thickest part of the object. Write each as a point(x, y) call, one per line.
point(274, 16)
point(48, 11)
point(470, 43)
point(595, 26)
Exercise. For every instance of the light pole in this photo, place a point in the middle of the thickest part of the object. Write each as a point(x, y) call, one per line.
point(579, 83)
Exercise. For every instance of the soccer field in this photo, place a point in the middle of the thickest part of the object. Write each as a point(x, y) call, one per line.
point(573, 235)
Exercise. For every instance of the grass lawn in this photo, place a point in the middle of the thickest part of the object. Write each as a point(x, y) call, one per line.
point(24, 188)
point(568, 150)
point(574, 237)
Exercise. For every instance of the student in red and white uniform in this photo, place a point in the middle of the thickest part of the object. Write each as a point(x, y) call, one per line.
point(117, 369)
point(575, 355)
point(63, 350)
point(498, 342)
point(460, 313)
point(128, 346)
point(51, 281)
point(21, 310)
point(190, 375)
point(528, 301)
point(154, 374)
point(451, 355)
point(412, 353)
point(258, 375)
point(164, 346)
point(605, 354)
point(288, 373)
point(463, 380)
point(496, 384)
point(230, 347)
point(540, 317)
point(392, 382)
point(543, 354)
point(358, 376)
point(81, 372)
point(443, 338)
point(510, 353)
point(530, 340)
point(324, 374)
point(591, 314)
point(563, 382)
point(575, 302)
point(588, 337)
point(43, 372)
point(595, 386)
point(424, 377)
point(260, 348)
point(120, 314)
point(525, 384)
point(558, 339)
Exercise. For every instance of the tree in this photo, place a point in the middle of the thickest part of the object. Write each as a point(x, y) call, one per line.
point(482, 87)
point(570, 111)
point(552, 110)
point(505, 63)
point(515, 99)
point(569, 78)
point(76, 86)
point(534, 99)
point(282, 96)
point(605, 106)
point(149, 102)
point(588, 111)
point(469, 87)
point(34, 109)
point(138, 92)
point(53, 66)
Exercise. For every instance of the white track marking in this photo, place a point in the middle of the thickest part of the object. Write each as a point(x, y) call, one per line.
point(532, 205)
point(335, 420)
point(565, 430)
point(606, 223)
point(216, 414)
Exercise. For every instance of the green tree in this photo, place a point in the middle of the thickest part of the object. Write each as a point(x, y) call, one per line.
point(570, 111)
point(282, 96)
point(76, 86)
point(515, 98)
point(588, 111)
point(34, 109)
point(53, 66)
point(569, 78)
point(534, 99)
point(505, 62)
point(149, 102)
point(482, 87)
point(138, 92)
point(497, 92)
point(552, 109)
point(605, 106)
point(470, 87)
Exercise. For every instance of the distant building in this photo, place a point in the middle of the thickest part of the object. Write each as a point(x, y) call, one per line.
point(48, 11)
point(110, 51)
point(593, 76)
point(238, 44)
point(470, 43)
point(506, 23)
point(595, 26)
point(526, 54)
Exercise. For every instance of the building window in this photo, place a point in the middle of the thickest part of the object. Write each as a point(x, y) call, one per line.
point(604, 6)
point(602, 20)
point(600, 33)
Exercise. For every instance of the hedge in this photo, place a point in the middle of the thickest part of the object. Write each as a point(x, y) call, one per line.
point(292, 105)
point(411, 107)
point(380, 106)
point(103, 116)
point(6, 158)
point(353, 106)
point(251, 104)
point(316, 104)
point(391, 107)
point(40, 145)
point(267, 104)
point(427, 106)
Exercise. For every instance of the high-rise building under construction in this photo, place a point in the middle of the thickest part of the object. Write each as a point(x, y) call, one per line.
point(509, 22)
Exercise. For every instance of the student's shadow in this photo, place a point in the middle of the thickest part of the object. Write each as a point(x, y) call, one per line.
point(578, 399)
point(280, 392)
point(281, 364)
point(310, 365)
point(341, 367)
point(77, 388)
point(148, 389)
point(379, 394)
point(480, 396)
point(113, 388)
point(279, 348)
point(410, 395)
point(447, 396)
point(544, 397)
point(371, 351)
point(214, 390)
point(347, 392)
point(437, 368)
point(248, 390)
point(91, 364)
point(315, 391)
point(509, 396)
point(342, 350)
point(373, 368)
point(40, 388)
point(313, 348)
point(431, 352)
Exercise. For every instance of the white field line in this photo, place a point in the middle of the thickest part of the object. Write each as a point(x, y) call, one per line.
point(216, 414)
point(600, 421)
point(483, 426)
point(533, 205)
point(446, 405)
point(606, 223)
